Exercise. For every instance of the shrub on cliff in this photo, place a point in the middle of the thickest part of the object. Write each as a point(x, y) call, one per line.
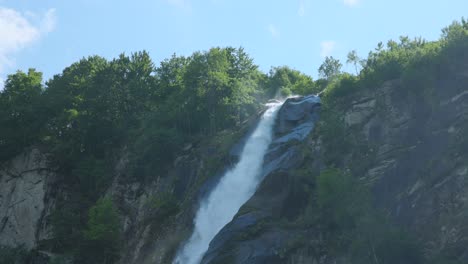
point(101, 238)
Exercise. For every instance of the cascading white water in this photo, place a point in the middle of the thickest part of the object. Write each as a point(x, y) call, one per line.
point(232, 191)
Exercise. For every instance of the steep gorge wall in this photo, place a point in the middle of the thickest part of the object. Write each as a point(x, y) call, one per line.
point(411, 150)
point(419, 172)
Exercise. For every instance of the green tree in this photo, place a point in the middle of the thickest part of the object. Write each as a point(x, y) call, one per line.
point(330, 68)
point(21, 112)
point(102, 237)
point(18, 255)
point(354, 59)
point(287, 81)
point(216, 87)
point(454, 41)
point(340, 199)
point(380, 46)
point(71, 119)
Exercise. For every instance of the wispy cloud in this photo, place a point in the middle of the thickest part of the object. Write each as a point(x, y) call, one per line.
point(49, 21)
point(273, 31)
point(327, 48)
point(351, 2)
point(303, 6)
point(17, 31)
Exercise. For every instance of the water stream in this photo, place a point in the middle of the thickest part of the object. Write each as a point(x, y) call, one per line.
point(232, 191)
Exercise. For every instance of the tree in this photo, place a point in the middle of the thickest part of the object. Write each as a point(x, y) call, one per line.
point(21, 112)
point(380, 46)
point(330, 68)
point(354, 59)
point(102, 235)
point(217, 88)
point(287, 81)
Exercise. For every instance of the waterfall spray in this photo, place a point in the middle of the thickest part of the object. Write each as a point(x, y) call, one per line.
point(233, 190)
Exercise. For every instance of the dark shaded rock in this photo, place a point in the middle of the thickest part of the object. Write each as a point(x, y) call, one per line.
point(287, 159)
point(233, 229)
point(250, 248)
point(184, 167)
point(297, 115)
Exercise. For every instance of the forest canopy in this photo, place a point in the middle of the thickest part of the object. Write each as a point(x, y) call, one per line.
point(96, 106)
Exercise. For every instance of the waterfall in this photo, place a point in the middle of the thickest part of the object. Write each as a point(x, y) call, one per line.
point(232, 191)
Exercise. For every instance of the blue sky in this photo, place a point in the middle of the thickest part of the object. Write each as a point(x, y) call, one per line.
point(51, 34)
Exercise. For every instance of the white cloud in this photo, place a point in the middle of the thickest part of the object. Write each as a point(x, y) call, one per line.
point(49, 21)
point(2, 84)
point(273, 31)
point(303, 6)
point(351, 2)
point(327, 47)
point(17, 31)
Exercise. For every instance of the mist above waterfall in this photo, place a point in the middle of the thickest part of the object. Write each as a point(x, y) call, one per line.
point(233, 190)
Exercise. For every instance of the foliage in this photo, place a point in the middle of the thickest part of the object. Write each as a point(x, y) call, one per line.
point(340, 199)
point(332, 130)
point(330, 68)
point(354, 59)
point(164, 204)
point(416, 61)
point(353, 227)
point(345, 84)
point(154, 148)
point(93, 177)
point(454, 40)
point(67, 224)
point(103, 221)
point(213, 90)
point(9, 255)
point(101, 238)
point(284, 81)
point(20, 112)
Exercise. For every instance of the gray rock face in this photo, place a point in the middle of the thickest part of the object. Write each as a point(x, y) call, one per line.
point(24, 184)
point(420, 172)
point(415, 159)
point(360, 112)
point(296, 117)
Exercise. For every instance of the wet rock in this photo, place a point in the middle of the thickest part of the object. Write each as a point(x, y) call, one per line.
point(296, 112)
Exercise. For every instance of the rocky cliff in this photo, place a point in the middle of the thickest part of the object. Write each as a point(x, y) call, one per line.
point(409, 150)
point(26, 185)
